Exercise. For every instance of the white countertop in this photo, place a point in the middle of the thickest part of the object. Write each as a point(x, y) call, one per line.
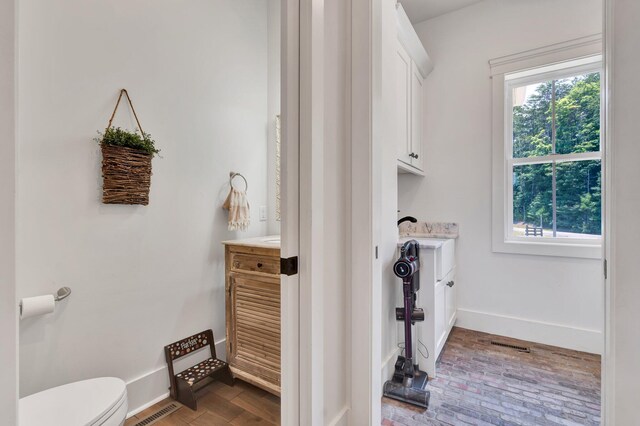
point(432, 243)
point(270, 241)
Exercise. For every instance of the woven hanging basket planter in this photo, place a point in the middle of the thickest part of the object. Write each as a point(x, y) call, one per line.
point(126, 172)
point(126, 175)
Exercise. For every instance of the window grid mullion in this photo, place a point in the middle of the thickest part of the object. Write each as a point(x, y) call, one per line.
point(554, 195)
point(558, 158)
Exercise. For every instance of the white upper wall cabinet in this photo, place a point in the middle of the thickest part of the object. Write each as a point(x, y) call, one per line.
point(410, 101)
point(412, 67)
point(403, 107)
point(417, 117)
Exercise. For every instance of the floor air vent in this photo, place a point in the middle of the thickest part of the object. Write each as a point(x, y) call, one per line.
point(517, 348)
point(161, 413)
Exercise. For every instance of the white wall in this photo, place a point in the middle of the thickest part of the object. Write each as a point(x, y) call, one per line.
point(273, 107)
point(626, 204)
point(557, 301)
point(142, 277)
point(8, 302)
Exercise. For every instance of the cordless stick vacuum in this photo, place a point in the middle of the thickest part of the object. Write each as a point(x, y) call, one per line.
point(408, 382)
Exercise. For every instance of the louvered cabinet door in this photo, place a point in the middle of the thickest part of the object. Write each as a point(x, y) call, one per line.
point(253, 328)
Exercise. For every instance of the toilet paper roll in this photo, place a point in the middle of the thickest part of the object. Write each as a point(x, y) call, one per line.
point(39, 305)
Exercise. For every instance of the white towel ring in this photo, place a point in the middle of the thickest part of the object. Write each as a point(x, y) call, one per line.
point(233, 175)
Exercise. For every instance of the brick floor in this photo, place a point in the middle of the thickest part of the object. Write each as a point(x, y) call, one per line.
point(482, 384)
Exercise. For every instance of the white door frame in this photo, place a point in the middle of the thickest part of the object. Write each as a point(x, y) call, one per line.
point(366, 272)
point(290, 211)
point(365, 276)
point(302, 207)
point(311, 212)
point(8, 302)
point(608, 357)
point(291, 355)
point(302, 104)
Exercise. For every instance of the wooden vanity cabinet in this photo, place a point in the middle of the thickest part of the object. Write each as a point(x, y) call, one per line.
point(253, 312)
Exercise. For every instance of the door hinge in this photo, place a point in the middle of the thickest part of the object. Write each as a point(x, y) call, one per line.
point(605, 269)
point(289, 266)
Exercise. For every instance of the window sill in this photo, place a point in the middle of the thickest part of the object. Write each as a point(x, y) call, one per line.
point(556, 249)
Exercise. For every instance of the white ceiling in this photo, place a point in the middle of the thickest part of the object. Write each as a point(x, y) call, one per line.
point(421, 10)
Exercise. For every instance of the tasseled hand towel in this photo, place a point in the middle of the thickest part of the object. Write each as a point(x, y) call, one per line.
point(238, 206)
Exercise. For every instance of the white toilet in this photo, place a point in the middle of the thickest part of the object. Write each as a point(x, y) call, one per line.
point(94, 402)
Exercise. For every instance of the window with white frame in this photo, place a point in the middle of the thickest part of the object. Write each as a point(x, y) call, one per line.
point(554, 160)
point(551, 159)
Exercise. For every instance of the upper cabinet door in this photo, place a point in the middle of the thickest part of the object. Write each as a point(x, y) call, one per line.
point(413, 64)
point(403, 108)
point(417, 118)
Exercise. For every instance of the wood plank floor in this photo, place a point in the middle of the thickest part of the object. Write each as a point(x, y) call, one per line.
point(222, 405)
point(482, 384)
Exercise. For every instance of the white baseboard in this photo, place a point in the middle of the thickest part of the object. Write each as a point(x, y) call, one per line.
point(146, 390)
point(147, 405)
point(151, 388)
point(341, 418)
point(388, 365)
point(563, 336)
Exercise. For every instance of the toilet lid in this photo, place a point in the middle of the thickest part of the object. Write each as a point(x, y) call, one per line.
point(84, 403)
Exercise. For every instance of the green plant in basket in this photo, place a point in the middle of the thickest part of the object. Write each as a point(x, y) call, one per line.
point(120, 137)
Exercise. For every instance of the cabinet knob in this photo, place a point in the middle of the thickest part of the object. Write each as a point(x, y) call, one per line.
point(413, 155)
point(451, 283)
point(259, 265)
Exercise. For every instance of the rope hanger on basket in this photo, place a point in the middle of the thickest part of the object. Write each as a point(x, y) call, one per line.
point(124, 91)
point(126, 169)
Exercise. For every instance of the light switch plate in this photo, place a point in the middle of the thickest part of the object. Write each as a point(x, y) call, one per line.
point(263, 213)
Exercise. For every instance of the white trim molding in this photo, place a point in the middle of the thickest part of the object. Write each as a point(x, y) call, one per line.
point(579, 339)
point(147, 405)
point(608, 360)
point(150, 403)
point(365, 271)
point(556, 53)
point(8, 151)
point(291, 352)
point(411, 42)
point(388, 364)
point(341, 419)
point(311, 220)
point(556, 61)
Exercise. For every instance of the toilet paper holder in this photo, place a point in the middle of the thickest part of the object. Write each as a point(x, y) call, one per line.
point(39, 305)
point(62, 294)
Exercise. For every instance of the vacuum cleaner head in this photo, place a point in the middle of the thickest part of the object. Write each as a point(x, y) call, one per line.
point(410, 395)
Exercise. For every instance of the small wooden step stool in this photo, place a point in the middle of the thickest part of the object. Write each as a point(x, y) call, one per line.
point(182, 384)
